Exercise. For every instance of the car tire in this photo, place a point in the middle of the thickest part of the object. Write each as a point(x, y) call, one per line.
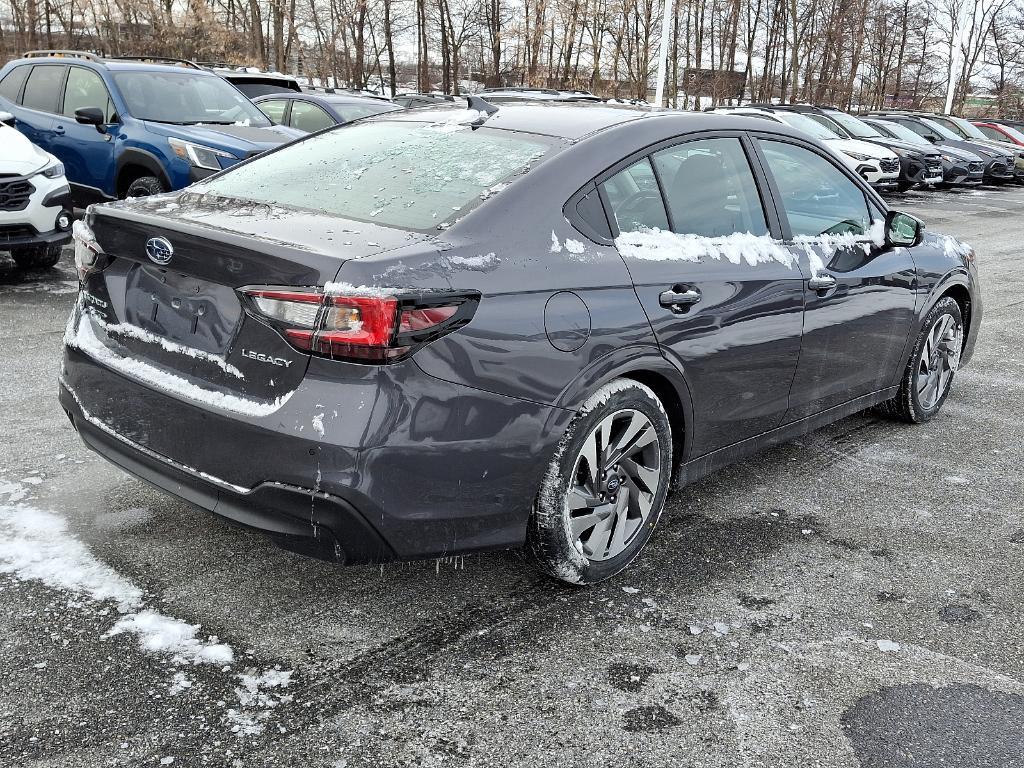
point(932, 366)
point(597, 510)
point(37, 256)
point(144, 186)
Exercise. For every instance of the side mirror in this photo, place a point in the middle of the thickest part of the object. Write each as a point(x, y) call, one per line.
point(932, 138)
point(91, 116)
point(7, 118)
point(902, 230)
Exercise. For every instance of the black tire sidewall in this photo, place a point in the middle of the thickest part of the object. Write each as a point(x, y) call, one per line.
point(946, 306)
point(549, 533)
point(147, 185)
point(37, 256)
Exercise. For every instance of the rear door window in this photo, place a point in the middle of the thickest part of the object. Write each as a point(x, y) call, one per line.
point(10, 86)
point(309, 117)
point(635, 198)
point(42, 91)
point(818, 198)
point(710, 189)
point(274, 109)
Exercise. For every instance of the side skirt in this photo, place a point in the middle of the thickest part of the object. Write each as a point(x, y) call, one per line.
point(723, 457)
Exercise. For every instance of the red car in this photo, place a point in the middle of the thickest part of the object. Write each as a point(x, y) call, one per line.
point(1000, 132)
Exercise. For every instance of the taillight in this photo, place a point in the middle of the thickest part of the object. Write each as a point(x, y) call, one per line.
point(88, 254)
point(365, 328)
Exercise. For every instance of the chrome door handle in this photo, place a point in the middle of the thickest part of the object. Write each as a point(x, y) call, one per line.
point(821, 282)
point(679, 298)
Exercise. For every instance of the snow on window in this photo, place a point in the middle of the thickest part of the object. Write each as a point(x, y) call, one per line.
point(662, 245)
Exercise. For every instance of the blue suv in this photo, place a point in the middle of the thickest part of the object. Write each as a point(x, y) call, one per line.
point(128, 127)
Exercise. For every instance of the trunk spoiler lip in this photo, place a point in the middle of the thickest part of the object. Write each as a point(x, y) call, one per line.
point(258, 242)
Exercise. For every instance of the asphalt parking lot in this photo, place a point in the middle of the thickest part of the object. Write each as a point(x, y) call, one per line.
point(853, 598)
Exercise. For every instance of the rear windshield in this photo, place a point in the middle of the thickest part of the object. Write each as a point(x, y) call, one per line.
point(399, 174)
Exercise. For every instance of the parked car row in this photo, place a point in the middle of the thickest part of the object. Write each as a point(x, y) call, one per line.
point(902, 150)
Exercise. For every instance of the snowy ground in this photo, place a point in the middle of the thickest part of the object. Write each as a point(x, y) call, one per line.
point(800, 609)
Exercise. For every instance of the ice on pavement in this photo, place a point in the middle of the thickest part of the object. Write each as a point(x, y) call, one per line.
point(36, 545)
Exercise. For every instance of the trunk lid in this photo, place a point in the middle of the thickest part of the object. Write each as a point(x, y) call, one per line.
point(168, 301)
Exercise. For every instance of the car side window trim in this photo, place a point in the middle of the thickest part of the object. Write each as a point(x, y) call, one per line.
point(872, 199)
point(764, 191)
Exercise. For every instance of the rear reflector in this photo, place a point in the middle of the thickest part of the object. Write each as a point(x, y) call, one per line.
point(377, 329)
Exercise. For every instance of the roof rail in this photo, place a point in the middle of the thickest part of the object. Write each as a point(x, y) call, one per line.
point(56, 53)
point(158, 60)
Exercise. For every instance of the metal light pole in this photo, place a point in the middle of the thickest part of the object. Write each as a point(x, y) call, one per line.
point(659, 91)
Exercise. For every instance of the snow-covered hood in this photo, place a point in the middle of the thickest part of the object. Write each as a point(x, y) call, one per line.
point(20, 156)
point(861, 148)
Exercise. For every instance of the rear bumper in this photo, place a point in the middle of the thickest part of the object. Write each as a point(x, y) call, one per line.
point(408, 466)
point(301, 519)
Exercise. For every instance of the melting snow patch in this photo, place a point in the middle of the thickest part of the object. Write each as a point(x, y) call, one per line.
point(660, 245)
point(693, 659)
point(630, 590)
point(556, 247)
point(318, 424)
point(476, 263)
point(448, 122)
point(141, 334)
point(953, 248)
point(574, 246)
point(347, 289)
point(35, 545)
point(85, 339)
point(164, 634)
point(888, 646)
point(954, 480)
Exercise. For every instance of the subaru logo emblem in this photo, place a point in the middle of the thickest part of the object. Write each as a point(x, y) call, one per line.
point(159, 250)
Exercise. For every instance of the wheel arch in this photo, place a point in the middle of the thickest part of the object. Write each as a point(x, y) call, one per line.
point(646, 365)
point(134, 163)
point(955, 286)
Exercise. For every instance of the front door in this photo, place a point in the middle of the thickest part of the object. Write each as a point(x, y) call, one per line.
point(87, 154)
point(859, 296)
point(724, 298)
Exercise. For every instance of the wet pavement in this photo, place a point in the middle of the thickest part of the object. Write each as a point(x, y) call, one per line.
point(850, 598)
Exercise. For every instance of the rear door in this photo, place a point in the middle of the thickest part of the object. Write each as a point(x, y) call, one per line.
point(724, 298)
point(87, 154)
point(860, 297)
point(39, 103)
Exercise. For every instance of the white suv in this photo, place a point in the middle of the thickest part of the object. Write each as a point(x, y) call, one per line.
point(35, 200)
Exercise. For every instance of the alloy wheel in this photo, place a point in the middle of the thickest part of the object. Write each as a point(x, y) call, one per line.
point(938, 360)
point(614, 481)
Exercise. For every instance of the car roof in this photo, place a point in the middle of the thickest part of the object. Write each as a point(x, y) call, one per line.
point(576, 120)
point(326, 98)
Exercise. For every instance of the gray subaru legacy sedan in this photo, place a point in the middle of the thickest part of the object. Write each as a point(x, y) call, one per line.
point(444, 331)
